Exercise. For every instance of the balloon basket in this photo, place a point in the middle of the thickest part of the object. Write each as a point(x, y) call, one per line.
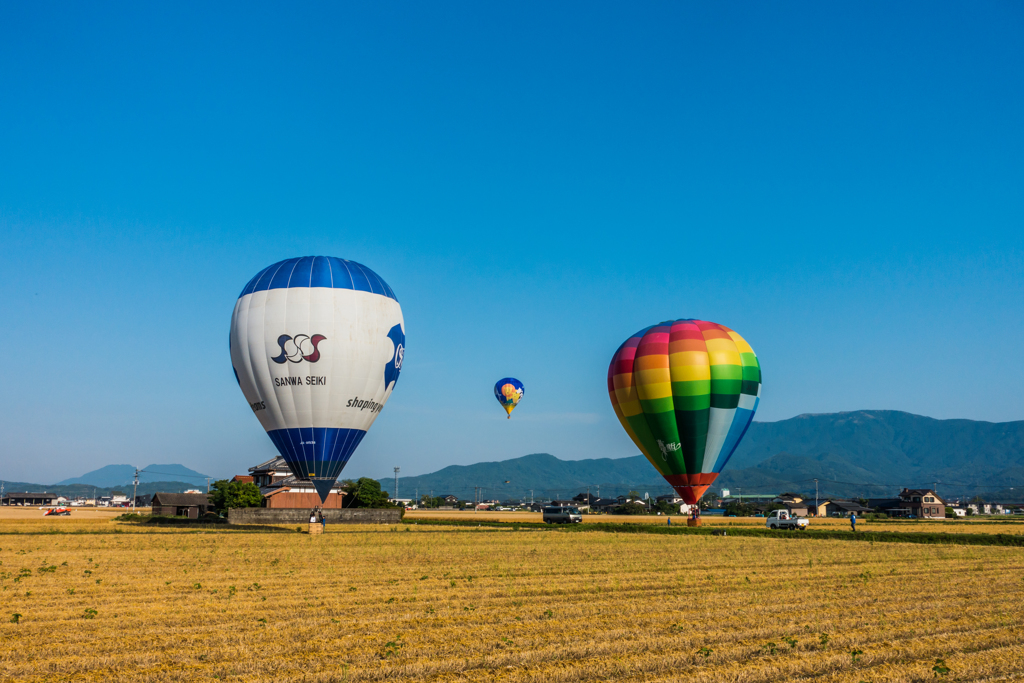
point(693, 522)
point(315, 528)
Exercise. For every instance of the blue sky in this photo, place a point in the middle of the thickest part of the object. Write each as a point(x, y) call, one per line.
point(840, 183)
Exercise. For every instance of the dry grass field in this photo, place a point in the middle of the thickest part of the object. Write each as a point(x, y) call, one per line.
point(975, 525)
point(99, 600)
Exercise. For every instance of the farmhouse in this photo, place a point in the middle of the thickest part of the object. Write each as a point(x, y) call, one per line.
point(189, 505)
point(282, 489)
point(29, 499)
point(841, 508)
point(921, 503)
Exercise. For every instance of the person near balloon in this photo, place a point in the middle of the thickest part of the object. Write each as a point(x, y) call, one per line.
point(853, 521)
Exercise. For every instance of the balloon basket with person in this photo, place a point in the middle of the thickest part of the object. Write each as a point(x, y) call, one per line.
point(317, 523)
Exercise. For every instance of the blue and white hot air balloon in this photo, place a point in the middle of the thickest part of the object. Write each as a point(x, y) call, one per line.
point(317, 344)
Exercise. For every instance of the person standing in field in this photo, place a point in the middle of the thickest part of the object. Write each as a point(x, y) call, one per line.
point(853, 521)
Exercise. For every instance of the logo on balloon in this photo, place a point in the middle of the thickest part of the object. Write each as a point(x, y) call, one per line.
point(666, 448)
point(394, 365)
point(298, 348)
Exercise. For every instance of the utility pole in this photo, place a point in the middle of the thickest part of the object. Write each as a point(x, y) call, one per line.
point(135, 489)
point(815, 497)
point(531, 496)
point(396, 483)
point(208, 484)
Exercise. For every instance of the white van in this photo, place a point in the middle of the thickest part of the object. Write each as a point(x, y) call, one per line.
point(555, 514)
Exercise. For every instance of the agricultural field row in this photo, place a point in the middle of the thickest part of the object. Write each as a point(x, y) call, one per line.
point(437, 604)
point(978, 525)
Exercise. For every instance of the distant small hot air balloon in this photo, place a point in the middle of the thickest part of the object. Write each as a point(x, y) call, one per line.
point(509, 392)
point(685, 392)
point(317, 344)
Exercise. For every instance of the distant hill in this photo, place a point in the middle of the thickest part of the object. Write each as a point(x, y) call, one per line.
point(548, 476)
point(123, 475)
point(869, 453)
point(876, 451)
point(86, 490)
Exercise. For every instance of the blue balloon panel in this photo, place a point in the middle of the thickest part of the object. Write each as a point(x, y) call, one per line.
point(317, 453)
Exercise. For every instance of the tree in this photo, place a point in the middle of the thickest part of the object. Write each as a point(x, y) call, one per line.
point(633, 495)
point(365, 493)
point(225, 495)
point(665, 507)
point(739, 509)
point(428, 502)
point(630, 509)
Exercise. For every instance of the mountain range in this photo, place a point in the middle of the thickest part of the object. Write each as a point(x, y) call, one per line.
point(123, 475)
point(153, 478)
point(866, 453)
point(869, 453)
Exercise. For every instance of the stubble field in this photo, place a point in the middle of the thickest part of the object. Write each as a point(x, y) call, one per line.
point(973, 525)
point(99, 600)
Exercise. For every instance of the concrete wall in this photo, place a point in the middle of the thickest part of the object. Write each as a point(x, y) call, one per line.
point(301, 516)
point(307, 501)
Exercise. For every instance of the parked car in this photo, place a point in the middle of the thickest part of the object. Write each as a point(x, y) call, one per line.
point(783, 519)
point(556, 514)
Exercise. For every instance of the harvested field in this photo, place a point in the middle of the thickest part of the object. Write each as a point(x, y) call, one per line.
point(99, 600)
point(976, 525)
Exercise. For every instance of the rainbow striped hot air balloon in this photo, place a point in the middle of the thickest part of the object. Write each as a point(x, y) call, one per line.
point(509, 392)
point(685, 392)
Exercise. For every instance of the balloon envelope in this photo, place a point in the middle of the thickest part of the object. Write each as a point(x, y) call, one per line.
point(317, 344)
point(685, 392)
point(509, 392)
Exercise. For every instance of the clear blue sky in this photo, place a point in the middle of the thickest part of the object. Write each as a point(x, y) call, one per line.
point(842, 183)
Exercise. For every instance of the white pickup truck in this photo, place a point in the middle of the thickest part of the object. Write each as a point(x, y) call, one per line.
point(782, 519)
